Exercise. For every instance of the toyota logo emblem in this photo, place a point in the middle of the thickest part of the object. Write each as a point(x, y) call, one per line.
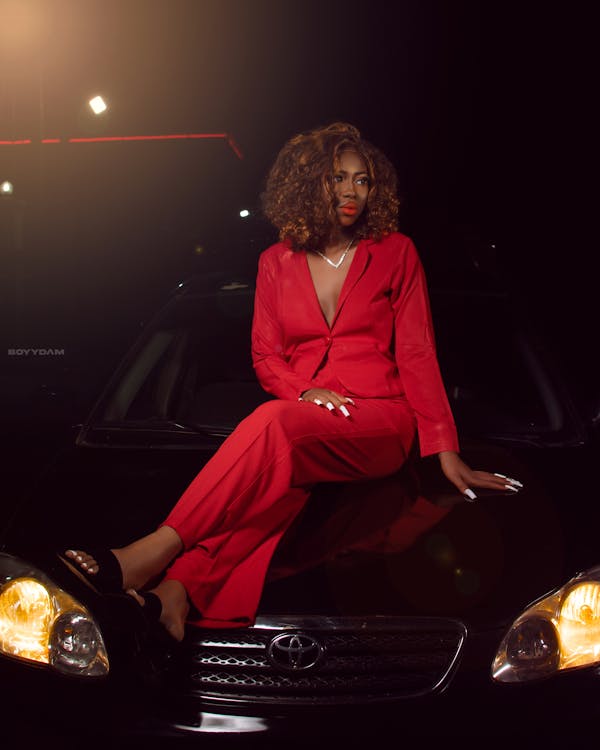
point(294, 652)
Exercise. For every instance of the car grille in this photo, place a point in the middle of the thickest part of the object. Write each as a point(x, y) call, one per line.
point(324, 660)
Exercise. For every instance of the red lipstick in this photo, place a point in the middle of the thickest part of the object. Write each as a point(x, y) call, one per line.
point(349, 209)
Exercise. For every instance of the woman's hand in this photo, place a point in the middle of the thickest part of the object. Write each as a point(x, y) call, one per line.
point(328, 399)
point(464, 478)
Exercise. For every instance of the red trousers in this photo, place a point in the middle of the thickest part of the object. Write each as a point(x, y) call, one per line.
point(235, 511)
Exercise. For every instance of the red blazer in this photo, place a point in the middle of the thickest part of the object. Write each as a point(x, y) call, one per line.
point(381, 341)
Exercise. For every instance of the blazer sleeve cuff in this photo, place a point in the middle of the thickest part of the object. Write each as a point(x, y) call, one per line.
point(430, 446)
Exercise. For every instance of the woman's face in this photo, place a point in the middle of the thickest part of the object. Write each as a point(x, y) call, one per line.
point(350, 184)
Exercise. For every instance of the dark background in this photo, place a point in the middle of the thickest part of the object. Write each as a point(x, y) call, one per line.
point(485, 108)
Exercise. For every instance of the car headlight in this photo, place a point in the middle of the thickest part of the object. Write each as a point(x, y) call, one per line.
point(39, 622)
point(559, 632)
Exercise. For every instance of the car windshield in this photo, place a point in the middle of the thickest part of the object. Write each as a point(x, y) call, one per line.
point(496, 380)
point(192, 368)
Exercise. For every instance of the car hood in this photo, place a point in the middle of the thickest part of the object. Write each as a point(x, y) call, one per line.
point(405, 544)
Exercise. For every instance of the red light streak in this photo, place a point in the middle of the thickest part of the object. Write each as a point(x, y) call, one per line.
point(234, 147)
point(115, 138)
point(100, 139)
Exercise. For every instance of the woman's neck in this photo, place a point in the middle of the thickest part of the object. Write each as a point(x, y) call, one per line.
point(339, 239)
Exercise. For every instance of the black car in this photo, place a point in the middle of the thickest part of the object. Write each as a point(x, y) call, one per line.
point(439, 617)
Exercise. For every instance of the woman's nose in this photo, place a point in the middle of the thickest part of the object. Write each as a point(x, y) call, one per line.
point(348, 187)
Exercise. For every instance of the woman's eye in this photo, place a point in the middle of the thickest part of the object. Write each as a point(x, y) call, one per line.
point(359, 180)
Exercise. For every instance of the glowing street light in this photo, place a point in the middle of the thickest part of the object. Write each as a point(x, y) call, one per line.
point(98, 105)
point(244, 213)
point(6, 188)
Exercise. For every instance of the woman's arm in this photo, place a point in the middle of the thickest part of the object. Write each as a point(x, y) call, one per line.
point(272, 370)
point(416, 357)
point(418, 365)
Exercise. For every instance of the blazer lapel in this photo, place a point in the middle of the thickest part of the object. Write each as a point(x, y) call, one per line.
point(305, 280)
point(357, 268)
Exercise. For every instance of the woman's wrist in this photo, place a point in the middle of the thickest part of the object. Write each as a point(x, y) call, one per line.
point(442, 454)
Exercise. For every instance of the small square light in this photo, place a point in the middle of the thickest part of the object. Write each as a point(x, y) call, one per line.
point(98, 105)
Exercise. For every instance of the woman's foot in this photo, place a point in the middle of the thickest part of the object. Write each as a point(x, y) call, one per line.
point(139, 562)
point(100, 570)
point(84, 560)
point(175, 606)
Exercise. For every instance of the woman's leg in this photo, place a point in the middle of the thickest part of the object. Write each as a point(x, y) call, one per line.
point(230, 519)
point(236, 510)
point(140, 561)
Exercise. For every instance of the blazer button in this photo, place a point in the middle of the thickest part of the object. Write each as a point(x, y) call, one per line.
point(328, 339)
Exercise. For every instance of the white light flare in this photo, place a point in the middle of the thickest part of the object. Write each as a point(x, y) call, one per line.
point(98, 105)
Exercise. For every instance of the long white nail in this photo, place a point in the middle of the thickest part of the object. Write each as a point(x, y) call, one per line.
point(470, 495)
point(344, 411)
point(510, 487)
point(318, 402)
point(352, 402)
point(509, 479)
point(330, 406)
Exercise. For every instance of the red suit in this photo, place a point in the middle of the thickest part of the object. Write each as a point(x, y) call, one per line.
point(379, 351)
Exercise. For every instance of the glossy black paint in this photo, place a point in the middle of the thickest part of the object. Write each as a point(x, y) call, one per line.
point(354, 551)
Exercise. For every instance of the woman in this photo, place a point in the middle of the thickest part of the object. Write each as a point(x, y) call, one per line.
point(342, 336)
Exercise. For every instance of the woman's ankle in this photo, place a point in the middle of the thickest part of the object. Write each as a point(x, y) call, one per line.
point(144, 560)
point(175, 606)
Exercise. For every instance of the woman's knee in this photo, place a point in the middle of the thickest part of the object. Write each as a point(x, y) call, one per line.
point(277, 410)
point(285, 416)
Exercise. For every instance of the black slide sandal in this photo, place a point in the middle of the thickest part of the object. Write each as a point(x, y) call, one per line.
point(108, 579)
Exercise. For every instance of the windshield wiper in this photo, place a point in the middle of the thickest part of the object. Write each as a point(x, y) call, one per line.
point(150, 424)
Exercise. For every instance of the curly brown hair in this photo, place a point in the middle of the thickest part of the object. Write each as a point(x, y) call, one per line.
point(293, 199)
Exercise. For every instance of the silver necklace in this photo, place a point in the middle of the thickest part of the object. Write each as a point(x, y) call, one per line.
point(342, 257)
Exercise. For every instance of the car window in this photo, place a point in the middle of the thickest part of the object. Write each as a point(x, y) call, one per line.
point(193, 368)
point(495, 379)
